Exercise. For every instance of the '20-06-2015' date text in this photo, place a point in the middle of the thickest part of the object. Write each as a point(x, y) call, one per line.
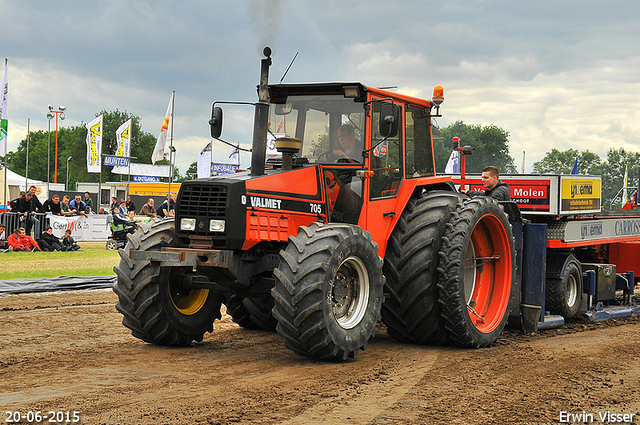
point(51, 416)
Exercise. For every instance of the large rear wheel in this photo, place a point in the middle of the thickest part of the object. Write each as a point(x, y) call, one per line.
point(154, 303)
point(328, 291)
point(476, 270)
point(411, 310)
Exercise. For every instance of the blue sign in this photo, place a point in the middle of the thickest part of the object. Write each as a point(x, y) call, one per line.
point(116, 161)
point(224, 168)
point(146, 179)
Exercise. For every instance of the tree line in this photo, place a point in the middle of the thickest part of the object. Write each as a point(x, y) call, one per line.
point(72, 142)
point(490, 143)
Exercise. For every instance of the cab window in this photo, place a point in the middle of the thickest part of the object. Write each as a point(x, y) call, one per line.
point(419, 152)
point(386, 159)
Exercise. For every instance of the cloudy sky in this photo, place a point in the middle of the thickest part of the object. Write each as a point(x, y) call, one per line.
point(554, 74)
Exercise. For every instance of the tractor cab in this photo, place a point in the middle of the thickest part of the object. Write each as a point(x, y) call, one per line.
point(366, 141)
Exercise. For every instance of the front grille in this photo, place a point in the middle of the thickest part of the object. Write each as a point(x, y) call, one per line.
point(203, 201)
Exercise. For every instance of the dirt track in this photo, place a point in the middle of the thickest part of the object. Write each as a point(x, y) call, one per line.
point(69, 352)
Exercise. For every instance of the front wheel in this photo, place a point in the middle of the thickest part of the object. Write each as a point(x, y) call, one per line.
point(328, 291)
point(154, 303)
point(476, 272)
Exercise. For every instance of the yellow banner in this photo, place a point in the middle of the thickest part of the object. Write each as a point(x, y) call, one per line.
point(578, 194)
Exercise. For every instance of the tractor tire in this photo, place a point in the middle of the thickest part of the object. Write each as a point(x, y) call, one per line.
point(328, 291)
point(477, 270)
point(252, 313)
point(148, 298)
point(563, 294)
point(411, 310)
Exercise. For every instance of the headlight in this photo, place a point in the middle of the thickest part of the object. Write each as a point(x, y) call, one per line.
point(216, 225)
point(188, 224)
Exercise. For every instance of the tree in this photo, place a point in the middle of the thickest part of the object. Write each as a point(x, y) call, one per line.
point(612, 172)
point(190, 174)
point(490, 143)
point(562, 162)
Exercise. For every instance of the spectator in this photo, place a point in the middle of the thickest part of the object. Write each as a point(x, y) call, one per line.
point(147, 209)
point(20, 241)
point(494, 187)
point(3, 237)
point(78, 206)
point(24, 208)
point(123, 207)
point(68, 242)
point(49, 241)
point(88, 202)
point(65, 206)
point(119, 218)
point(102, 211)
point(52, 205)
point(130, 205)
point(114, 204)
point(166, 208)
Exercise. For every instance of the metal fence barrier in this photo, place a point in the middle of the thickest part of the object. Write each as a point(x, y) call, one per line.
point(35, 224)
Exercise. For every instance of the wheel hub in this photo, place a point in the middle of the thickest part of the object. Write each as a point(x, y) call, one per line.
point(350, 292)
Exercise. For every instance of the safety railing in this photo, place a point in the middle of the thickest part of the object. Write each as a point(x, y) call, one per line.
point(34, 224)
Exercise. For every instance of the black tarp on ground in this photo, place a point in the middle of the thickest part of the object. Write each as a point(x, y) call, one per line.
point(60, 283)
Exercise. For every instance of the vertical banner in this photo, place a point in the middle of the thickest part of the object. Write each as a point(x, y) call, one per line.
point(123, 139)
point(4, 116)
point(165, 133)
point(94, 145)
point(204, 162)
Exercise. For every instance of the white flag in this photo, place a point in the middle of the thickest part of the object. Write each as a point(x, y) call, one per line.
point(204, 162)
point(123, 139)
point(453, 165)
point(234, 156)
point(4, 116)
point(165, 133)
point(94, 145)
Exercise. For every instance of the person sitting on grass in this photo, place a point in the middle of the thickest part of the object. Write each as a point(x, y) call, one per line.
point(49, 241)
point(68, 242)
point(20, 241)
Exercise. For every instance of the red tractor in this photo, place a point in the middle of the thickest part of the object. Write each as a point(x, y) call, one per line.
point(347, 225)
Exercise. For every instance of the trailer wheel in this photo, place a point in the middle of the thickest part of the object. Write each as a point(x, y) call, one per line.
point(328, 291)
point(252, 313)
point(476, 270)
point(153, 304)
point(411, 310)
point(564, 293)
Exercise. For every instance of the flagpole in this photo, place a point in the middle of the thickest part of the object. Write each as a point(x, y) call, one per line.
point(171, 151)
point(6, 147)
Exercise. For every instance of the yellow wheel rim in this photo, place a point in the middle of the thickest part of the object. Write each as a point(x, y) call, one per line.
point(190, 303)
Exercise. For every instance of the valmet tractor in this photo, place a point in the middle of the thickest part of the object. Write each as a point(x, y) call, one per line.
point(346, 226)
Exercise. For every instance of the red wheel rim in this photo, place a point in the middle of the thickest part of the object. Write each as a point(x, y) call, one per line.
point(488, 273)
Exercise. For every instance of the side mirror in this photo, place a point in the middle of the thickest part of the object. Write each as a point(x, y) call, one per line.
point(389, 119)
point(216, 122)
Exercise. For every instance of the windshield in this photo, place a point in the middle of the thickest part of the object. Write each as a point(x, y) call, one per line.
point(330, 127)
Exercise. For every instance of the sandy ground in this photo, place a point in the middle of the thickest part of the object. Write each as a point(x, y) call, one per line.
point(66, 352)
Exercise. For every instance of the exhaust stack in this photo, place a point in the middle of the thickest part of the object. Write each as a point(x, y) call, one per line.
point(261, 118)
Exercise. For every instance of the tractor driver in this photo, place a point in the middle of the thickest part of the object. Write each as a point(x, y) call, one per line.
point(494, 187)
point(349, 144)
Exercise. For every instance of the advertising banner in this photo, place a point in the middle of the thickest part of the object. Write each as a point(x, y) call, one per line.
point(90, 228)
point(94, 145)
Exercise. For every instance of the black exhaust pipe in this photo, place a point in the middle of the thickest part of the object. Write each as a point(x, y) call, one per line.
point(261, 119)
